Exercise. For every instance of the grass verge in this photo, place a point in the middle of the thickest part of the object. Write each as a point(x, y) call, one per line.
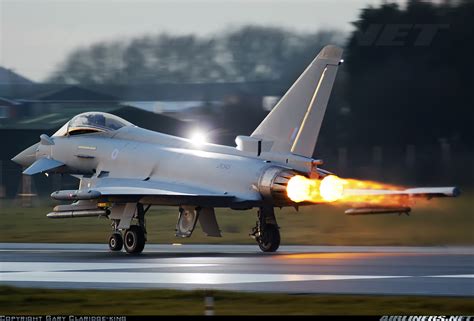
point(172, 302)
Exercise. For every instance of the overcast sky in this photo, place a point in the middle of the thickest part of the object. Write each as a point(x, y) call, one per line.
point(36, 35)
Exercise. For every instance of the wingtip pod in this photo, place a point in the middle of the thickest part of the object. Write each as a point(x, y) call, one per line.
point(456, 191)
point(451, 191)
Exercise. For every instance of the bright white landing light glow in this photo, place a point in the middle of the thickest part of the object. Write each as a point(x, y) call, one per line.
point(198, 138)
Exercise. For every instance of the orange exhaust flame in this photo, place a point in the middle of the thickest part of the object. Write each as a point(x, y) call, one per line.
point(342, 190)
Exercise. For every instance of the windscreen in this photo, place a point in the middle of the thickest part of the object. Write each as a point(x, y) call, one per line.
point(92, 122)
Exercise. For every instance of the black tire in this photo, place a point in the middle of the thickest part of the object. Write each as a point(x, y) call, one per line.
point(115, 242)
point(134, 240)
point(269, 241)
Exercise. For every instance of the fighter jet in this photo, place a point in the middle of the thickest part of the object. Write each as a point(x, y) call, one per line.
point(124, 169)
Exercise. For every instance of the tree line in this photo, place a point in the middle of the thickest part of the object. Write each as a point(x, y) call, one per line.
point(247, 54)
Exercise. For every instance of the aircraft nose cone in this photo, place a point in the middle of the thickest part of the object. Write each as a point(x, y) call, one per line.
point(26, 157)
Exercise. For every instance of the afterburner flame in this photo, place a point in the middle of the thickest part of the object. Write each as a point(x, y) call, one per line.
point(342, 190)
point(329, 189)
point(332, 188)
point(300, 189)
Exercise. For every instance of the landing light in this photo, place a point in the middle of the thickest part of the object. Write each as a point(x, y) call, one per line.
point(198, 138)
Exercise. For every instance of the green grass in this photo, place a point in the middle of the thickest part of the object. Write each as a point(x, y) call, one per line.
point(171, 302)
point(435, 222)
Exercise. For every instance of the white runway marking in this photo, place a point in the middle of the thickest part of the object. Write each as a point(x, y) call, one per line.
point(77, 272)
point(176, 278)
point(73, 266)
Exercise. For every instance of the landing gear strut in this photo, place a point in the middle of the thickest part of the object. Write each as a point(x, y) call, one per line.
point(266, 232)
point(134, 238)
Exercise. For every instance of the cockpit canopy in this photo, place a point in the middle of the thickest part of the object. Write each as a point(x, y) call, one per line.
point(92, 122)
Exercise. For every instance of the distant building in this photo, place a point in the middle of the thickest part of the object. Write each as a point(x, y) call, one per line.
point(10, 83)
point(67, 97)
point(9, 77)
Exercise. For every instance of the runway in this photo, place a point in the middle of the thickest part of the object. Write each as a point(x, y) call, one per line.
point(293, 269)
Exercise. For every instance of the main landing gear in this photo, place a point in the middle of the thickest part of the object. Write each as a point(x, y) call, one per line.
point(134, 238)
point(266, 232)
point(115, 242)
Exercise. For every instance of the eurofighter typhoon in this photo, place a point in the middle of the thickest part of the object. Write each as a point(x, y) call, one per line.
point(124, 169)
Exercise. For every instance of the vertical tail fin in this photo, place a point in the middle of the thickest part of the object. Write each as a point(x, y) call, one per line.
point(294, 123)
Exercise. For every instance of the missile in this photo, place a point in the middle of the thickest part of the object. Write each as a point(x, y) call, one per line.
point(80, 213)
point(71, 195)
point(378, 210)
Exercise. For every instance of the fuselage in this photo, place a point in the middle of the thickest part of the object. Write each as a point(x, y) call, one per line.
point(136, 153)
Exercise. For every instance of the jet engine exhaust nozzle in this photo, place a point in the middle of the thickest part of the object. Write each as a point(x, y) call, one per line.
point(273, 184)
